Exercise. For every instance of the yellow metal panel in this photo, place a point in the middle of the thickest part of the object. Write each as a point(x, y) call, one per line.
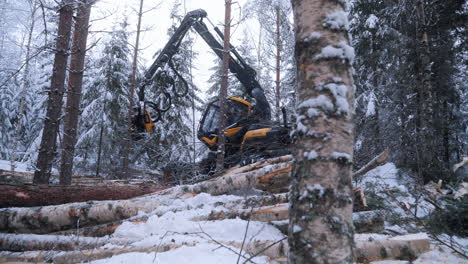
point(262, 132)
point(149, 125)
point(232, 131)
point(249, 105)
point(210, 142)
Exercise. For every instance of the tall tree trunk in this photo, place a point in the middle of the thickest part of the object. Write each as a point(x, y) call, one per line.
point(278, 65)
point(54, 104)
point(25, 86)
point(75, 82)
point(320, 227)
point(126, 153)
point(426, 147)
point(224, 87)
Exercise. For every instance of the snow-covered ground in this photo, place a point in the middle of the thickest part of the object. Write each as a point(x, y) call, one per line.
point(20, 167)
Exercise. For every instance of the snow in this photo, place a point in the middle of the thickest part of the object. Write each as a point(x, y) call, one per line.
point(297, 229)
point(284, 4)
point(342, 51)
point(316, 188)
point(313, 36)
point(371, 21)
point(321, 101)
point(358, 144)
point(386, 174)
point(202, 253)
point(178, 223)
point(311, 155)
point(20, 167)
point(342, 156)
point(340, 92)
point(299, 126)
point(371, 106)
point(337, 20)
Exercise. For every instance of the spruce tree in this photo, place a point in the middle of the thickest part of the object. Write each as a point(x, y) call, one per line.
point(171, 145)
point(105, 102)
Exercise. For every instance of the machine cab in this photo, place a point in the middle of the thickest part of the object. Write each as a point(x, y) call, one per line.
point(236, 110)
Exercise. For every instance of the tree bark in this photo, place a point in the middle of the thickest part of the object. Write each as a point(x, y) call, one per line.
point(54, 104)
point(321, 189)
point(75, 83)
point(224, 88)
point(40, 195)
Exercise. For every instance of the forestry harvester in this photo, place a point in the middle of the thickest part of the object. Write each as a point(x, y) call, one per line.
point(250, 132)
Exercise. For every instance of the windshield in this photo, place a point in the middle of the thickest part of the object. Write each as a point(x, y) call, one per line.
point(211, 119)
point(235, 112)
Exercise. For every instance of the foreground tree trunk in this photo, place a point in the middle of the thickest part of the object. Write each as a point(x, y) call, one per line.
point(224, 87)
point(54, 103)
point(320, 227)
point(75, 82)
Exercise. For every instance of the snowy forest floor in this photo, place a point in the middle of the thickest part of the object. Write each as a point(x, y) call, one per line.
point(184, 224)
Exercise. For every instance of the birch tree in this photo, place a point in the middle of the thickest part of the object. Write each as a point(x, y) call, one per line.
point(320, 227)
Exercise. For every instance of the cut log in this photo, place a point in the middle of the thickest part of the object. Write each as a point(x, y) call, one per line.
point(42, 195)
point(374, 163)
point(250, 179)
point(109, 228)
point(21, 243)
point(266, 175)
point(366, 251)
point(364, 222)
point(48, 219)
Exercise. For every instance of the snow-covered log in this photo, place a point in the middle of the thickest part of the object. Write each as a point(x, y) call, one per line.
point(42, 195)
point(248, 178)
point(48, 219)
point(109, 228)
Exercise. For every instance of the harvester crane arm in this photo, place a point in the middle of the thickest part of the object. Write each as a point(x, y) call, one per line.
point(237, 65)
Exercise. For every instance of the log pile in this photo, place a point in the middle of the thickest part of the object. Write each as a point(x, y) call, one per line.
point(76, 232)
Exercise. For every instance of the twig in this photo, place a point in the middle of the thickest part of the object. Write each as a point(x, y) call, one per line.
point(263, 250)
point(245, 235)
point(451, 246)
point(222, 245)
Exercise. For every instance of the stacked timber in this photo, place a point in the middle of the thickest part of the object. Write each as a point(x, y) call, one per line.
point(77, 232)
